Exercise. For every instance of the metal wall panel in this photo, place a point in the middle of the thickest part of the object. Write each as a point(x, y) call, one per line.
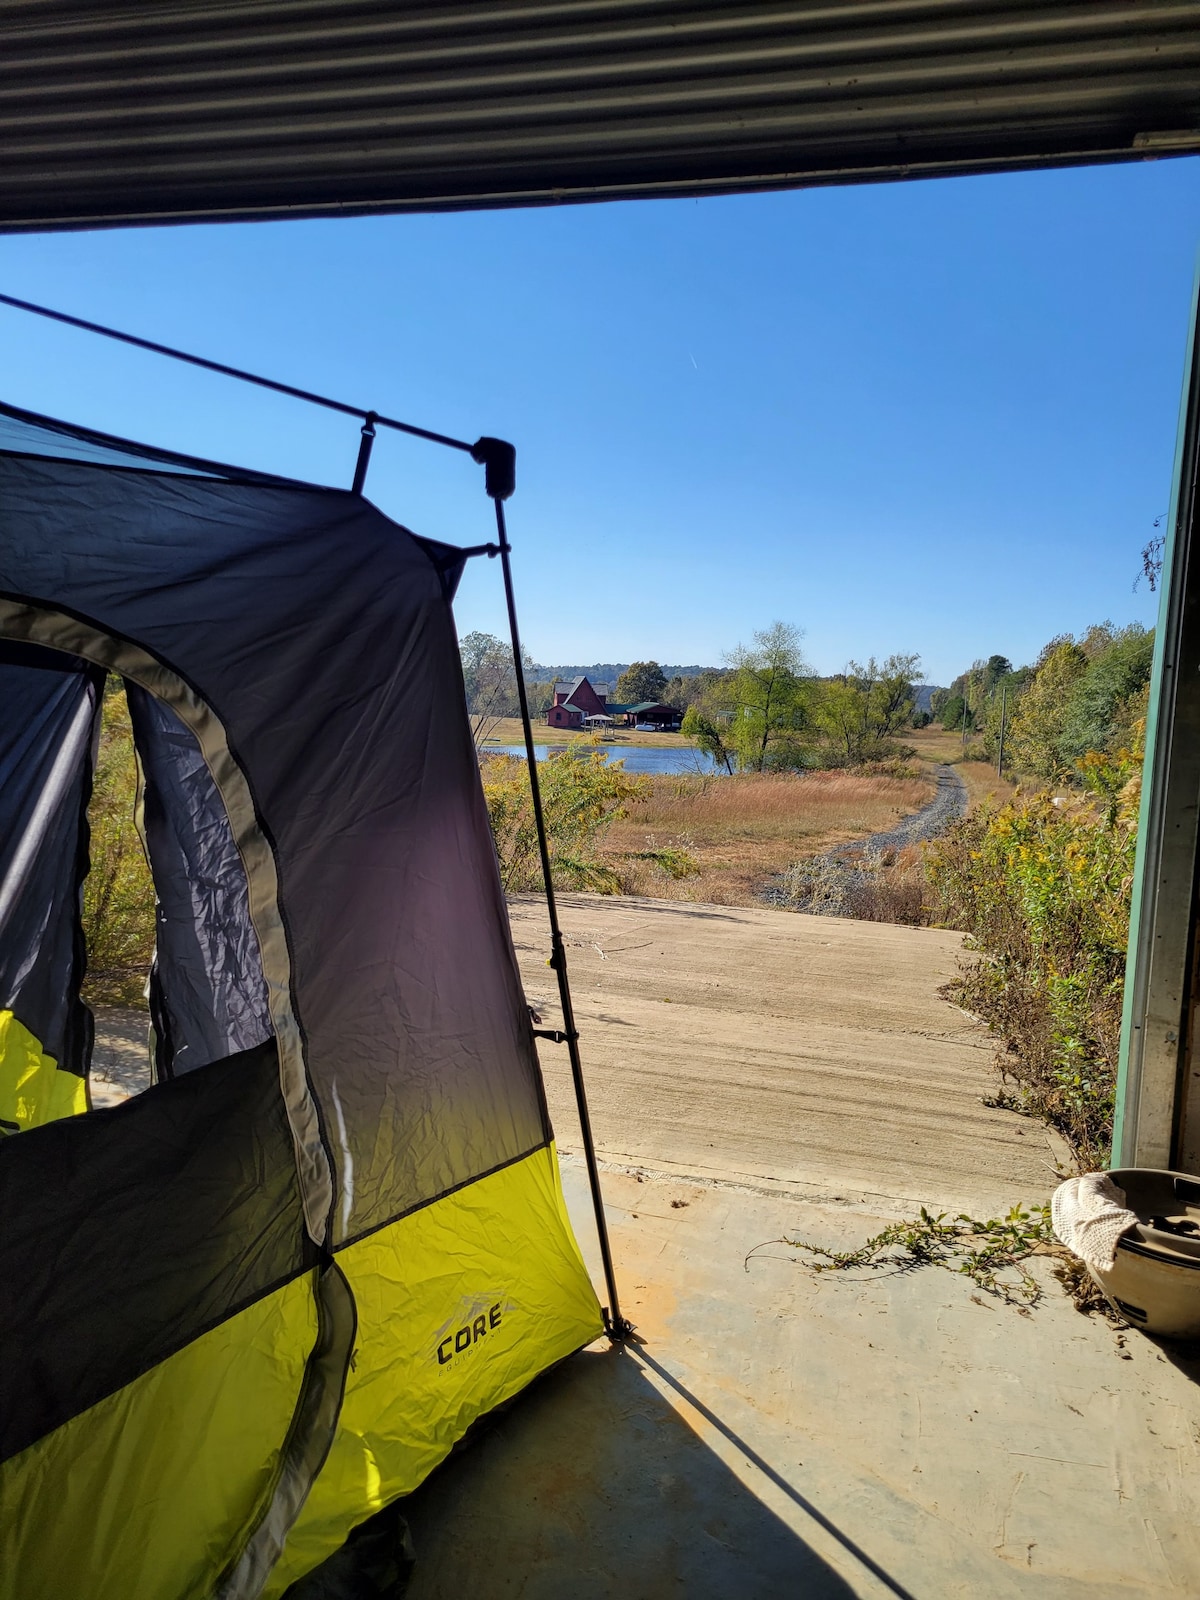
point(156, 111)
point(1158, 1087)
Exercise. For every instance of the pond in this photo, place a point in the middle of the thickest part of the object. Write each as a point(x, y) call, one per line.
point(649, 759)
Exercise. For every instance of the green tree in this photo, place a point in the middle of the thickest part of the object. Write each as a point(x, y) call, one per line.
point(994, 669)
point(1000, 708)
point(1110, 697)
point(709, 732)
point(699, 688)
point(859, 711)
point(954, 708)
point(1039, 722)
point(644, 680)
point(768, 697)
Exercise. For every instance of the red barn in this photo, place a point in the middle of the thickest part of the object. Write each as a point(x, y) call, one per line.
point(576, 699)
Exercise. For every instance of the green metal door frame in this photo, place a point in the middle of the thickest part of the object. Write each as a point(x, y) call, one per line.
point(1158, 1084)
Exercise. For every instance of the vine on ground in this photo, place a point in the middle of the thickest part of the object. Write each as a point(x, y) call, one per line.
point(982, 1250)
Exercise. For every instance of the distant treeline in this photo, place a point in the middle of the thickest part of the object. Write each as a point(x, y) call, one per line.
point(1081, 697)
point(766, 710)
point(601, 672)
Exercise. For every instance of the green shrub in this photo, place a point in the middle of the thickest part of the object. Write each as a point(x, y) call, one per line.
point(1116, 682)
point(581, 794)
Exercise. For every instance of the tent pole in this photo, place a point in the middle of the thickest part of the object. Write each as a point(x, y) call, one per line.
point(617, 1328)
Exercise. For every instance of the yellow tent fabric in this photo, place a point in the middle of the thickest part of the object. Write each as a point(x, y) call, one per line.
point(460, 1305)
point(33, 1090)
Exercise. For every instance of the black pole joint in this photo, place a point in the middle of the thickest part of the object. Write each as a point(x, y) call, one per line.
point(499, 460)
point(364, 451)
point(488, 550)
point(555, 1035)
point(619, 1329)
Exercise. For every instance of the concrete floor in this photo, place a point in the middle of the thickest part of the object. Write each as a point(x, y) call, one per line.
point(120, 1056)
point(780, 1433)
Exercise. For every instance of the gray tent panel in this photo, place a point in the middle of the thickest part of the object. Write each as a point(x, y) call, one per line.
point(364, 782)
point(210, 996)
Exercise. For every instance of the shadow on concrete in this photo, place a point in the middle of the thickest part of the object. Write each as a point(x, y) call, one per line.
point(593, 1486)
point(1181, 1353)
point(780, 1482)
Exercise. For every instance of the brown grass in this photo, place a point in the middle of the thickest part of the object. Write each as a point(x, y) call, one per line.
point(743, 830)
point(509, 731)
point(983, 785)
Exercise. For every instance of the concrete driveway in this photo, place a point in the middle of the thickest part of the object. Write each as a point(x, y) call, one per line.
point(808, 1054)
point(778, 1433)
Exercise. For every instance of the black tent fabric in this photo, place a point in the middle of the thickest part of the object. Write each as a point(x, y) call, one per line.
point(328, 894)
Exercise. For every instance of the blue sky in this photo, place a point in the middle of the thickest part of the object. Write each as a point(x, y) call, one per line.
point(932, 416)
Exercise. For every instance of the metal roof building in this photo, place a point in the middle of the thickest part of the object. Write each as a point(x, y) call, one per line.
point(118, 113)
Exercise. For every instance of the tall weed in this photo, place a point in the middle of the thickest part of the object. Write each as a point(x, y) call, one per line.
point(582, 794)
point(1042, 886)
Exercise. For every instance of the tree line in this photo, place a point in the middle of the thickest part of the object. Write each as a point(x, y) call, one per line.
point(769, 711)
point(766, 710)
point(1080, 697)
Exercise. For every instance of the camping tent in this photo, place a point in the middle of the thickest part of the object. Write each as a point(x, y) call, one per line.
point(254, 1304)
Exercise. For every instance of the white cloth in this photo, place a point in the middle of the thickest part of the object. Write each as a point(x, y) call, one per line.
point(1089, 1216)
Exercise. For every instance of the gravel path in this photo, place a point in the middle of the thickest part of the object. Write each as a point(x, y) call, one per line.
point(947, 805)
point(825, 885)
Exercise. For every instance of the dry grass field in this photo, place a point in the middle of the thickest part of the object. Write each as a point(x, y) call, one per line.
point(743, 830)
point(509, 731)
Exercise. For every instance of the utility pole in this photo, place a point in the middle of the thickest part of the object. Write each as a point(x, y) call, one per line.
point(1003, 720)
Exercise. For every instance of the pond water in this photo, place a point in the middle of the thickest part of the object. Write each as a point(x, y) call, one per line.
point(649, 759)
